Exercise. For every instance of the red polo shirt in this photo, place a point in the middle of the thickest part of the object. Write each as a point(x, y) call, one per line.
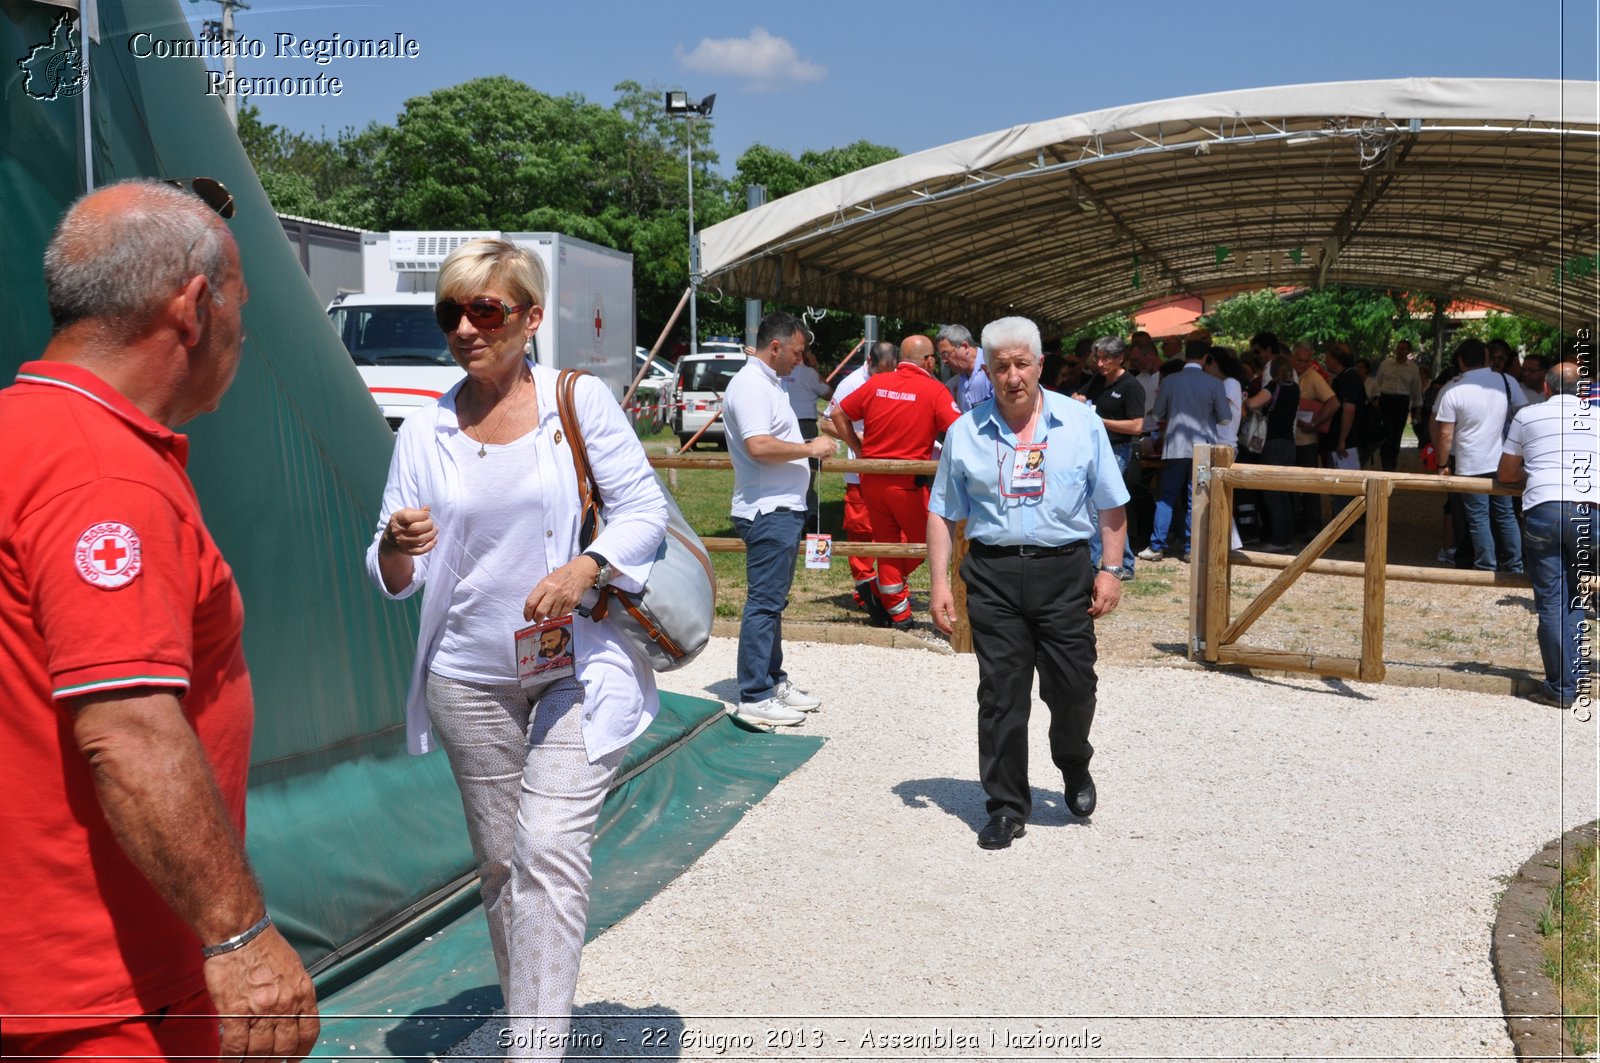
point(904, 413)
point(108, 580)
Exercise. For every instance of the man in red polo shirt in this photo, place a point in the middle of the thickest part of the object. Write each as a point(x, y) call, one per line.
point(904, 413)
point(130, 914)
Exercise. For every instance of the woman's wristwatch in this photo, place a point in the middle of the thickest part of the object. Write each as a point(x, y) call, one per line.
point(602, 577)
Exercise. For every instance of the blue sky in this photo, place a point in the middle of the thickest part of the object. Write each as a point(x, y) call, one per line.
point(912, 75)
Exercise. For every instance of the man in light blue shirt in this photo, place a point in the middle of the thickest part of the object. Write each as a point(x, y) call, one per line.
point(970, 385)
point(1023, 469)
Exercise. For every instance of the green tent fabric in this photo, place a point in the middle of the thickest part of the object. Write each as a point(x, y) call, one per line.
point(290, 473)
point(350, 836)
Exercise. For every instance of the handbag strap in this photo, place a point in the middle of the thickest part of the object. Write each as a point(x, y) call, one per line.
point(589, 504)
point(588, 491)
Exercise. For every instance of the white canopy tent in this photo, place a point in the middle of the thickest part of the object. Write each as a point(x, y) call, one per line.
point(1477, 188)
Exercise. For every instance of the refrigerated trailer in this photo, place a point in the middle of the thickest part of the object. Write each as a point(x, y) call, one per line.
point(389, 329)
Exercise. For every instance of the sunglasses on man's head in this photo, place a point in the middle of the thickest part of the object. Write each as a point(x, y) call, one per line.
point(485, 314)
point(214, 192)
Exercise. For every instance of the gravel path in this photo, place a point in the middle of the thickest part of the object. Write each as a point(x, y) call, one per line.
point(1278, 867)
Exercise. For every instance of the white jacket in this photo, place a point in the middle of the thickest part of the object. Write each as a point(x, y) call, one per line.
point(619, 686)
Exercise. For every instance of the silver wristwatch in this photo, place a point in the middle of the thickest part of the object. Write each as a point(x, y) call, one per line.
point(602, 577)
point(1115, 570)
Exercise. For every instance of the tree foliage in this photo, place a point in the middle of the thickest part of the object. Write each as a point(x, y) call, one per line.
point(1371, 320)
point(1116, 323)
point(1526, 334)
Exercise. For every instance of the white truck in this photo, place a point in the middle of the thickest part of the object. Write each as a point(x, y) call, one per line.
point(389, 329)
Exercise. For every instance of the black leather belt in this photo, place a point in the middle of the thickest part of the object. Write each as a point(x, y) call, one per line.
point(980, 549)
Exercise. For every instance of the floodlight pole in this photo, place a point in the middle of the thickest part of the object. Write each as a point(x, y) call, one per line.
point(678, 105)
point(230, 99)
point(694, 254)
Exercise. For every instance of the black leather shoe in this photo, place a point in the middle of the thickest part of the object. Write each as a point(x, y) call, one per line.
point(1080, 793)
point(999, 831)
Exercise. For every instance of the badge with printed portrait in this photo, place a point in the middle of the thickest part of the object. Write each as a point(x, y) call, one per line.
point(108, 555)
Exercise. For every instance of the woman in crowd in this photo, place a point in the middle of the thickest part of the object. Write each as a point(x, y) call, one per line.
point(1281, 400)
point(482, 510)
point(1224, 364)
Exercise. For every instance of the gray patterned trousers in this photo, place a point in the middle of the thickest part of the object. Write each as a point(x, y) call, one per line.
point(531, 798)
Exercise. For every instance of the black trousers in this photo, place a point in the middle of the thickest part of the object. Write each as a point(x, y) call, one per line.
point(1027, 613)
point(1395, 410)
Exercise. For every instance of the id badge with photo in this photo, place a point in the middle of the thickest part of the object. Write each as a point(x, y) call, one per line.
point(545, 652)
point(819, 551)
point(1027, 470)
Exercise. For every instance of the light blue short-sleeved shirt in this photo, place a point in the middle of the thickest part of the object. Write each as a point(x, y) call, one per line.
point(1080, 472)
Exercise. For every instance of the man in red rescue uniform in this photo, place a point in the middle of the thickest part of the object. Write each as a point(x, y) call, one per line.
point(905, 412)
point(130, 916)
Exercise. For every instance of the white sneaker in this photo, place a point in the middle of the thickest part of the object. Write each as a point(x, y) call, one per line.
point(795, 698)
point(770, 711)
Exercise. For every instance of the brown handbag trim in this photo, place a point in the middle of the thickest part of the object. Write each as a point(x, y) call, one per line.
point(589, 499)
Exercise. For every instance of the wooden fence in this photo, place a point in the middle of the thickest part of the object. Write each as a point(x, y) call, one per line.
point(1214, 634)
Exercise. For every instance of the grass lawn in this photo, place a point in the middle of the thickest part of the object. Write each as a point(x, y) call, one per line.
point(705, 496)
point(1571, 929)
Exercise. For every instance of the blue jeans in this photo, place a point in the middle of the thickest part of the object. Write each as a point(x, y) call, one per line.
point(1171, 493)
point(1123, 452)
point(1560, 544)
point(1490, 521)
point(771, 542)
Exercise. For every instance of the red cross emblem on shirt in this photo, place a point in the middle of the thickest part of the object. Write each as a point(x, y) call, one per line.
point(109, 554)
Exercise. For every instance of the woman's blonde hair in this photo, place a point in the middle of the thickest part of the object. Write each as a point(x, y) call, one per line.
point(478, 264)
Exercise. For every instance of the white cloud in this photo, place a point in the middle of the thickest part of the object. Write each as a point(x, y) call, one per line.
point(762, 59)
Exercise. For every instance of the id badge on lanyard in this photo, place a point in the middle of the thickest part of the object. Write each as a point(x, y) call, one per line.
point(544, 652)
point(1027, 471)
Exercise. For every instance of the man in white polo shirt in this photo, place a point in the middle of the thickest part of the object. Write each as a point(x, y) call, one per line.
point(1553, 446)
point(769, 513)
point(1473, 415)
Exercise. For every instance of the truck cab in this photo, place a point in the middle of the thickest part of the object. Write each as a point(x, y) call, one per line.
point(397, 347)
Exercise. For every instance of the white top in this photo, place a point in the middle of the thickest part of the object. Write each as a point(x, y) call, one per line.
point(1475, 402)
point(1559, 441)
point(619, 687)
point(755, 404)
point(1228, 432)
point(501, 562)
point(1151, 382)
point(1396, 379)
point(854, 379)
point(804, 387)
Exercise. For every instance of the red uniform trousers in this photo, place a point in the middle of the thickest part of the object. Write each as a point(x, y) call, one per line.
point(858, 527)
point(898, 510)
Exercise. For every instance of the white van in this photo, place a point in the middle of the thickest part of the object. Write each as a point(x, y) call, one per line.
point(697, 396)
point(397, 331)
